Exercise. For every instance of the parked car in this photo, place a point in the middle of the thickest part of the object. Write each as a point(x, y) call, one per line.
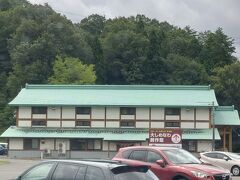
point(228, 160)
point(3, 151)
point(170, 163)
point(86, 170)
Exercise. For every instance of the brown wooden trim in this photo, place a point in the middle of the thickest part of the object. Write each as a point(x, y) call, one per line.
point(31, 116)
point(164, 117)
point(17, 116)
point(105, 116)
point(135, 116)
point(150, 117)
point(195, 118)
point(54, 148)
point(210, 117)
point(61, 115)
point(180, 117)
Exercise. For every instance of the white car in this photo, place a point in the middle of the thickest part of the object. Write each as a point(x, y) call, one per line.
point(227, 160)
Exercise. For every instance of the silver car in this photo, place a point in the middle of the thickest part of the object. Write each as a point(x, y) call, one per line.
point(227, 160)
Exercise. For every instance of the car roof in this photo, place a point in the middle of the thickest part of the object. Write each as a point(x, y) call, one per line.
point(93, 162)
point(150, 147)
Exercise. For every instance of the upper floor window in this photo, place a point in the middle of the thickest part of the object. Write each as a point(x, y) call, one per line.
point(172, 124)
point(127, 111)
point(39, 122)
point(39, 110)
point(172, 111)
point(83, 110)
point(83, 123)
point(127, 123)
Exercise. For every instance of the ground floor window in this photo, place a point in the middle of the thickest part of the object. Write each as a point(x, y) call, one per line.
point(190, 145)
point(31, 144)
point(85, 144)
point(124, 144)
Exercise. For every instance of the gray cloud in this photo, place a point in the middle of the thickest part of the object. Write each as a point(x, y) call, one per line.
point(200, 15)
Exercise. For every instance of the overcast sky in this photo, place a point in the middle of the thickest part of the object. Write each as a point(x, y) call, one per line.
point(200, 15)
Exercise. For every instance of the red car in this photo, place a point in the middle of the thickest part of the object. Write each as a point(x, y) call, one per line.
point(170, 163)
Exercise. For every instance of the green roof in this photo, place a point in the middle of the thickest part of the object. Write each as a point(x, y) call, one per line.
point(226, 115)
point(108, 134)
point(115, 95)
point(199, 134)
point(99, 133)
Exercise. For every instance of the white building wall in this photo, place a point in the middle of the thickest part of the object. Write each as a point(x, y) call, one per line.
point(204, 146)
point(24, 112)
point(53, 123)
point(24, 123)
point(105, 145)
point(68, 123)
point(157, 113)
point(15, 143)
point(157, 124)
point(172, 117)
point(97, 124)
point(112, 146)
point(83, 116)
point(54, 112)
point(68, 112)
point(47, 144)
point(127, 117)
point(187, 125)
point(142, 113)
point(202, 125)
point(112, 124)
point(187, 114)
point(39, 116)
point(142, 124)
point(113, 113)
point(98, 113)
point(202, 114)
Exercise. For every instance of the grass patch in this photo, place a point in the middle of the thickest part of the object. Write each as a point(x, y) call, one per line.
point(3, 162)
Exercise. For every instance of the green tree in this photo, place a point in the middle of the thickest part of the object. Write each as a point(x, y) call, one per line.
point(226, 82)
point(217, 49)
point(72, 71)
point(186, 71)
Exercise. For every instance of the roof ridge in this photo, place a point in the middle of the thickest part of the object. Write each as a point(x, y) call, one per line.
point(225, 108)
point(117, 87)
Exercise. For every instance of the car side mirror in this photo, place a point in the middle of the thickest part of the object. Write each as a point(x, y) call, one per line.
point(161, 163)
point(225, 158)
point(19, 178)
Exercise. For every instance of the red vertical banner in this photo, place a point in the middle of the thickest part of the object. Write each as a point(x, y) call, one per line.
point(165, 137)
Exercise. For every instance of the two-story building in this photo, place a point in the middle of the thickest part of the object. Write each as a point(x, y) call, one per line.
point(94, 121)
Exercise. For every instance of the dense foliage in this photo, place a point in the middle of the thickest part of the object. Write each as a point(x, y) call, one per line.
point(38, 46)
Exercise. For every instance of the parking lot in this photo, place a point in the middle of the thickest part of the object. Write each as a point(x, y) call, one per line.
point(11, 168)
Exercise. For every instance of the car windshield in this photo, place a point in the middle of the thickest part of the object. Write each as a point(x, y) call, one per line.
point(233, 155)
point(180, 156)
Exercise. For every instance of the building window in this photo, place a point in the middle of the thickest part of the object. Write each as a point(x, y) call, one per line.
point(39, 122)
point(172, 111)
point(31, 144)
point(127, 123)
point(190, 145)
point(83, 110)
point(172, 124)
point(127, 111)
point(39, 110)
point(83, 123)
point(85, 144)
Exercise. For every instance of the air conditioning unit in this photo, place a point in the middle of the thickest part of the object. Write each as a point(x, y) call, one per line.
point(47, 151)
point(61, 148)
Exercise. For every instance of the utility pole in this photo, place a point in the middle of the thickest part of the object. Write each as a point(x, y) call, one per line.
point(213, 127)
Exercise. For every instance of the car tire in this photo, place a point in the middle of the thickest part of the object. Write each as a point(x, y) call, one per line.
point(235, 170)
point(180, 178)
